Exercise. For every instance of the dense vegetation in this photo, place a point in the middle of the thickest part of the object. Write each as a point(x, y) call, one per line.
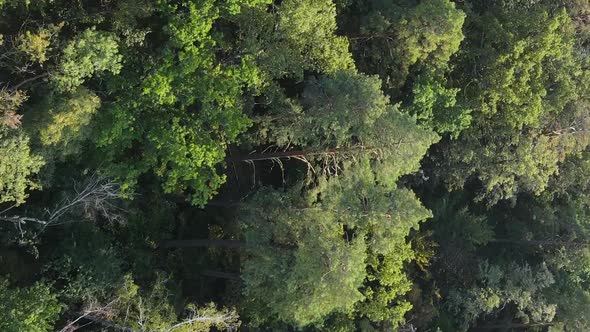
point(309, 165)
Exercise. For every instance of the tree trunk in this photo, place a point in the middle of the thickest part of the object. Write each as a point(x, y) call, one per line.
point(546, 243)
point(202, 243)
point(514, 325)
point(369, 36)
point(526, 242)
point(222, 275)
point(109, 324)
point(28, 80)
point(296, 153)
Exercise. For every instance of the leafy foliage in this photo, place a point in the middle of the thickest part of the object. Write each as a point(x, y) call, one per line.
point(150, 309)
point(36, 45)
point(519, 285)
point(357, 224)
point(181, 129)
point(87, 263)
point(298, 36)
point(91, 52)
point(65, 123)
point(34, 308)
point(529, 77)
point(348, 112)
point(435, 106)
point(394, 36)
point(9, 103)
point(311, 140)
point(298, 276)
point(18, 166)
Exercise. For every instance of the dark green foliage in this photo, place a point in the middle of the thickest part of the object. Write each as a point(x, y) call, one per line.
point(497, 287)
point(457, 225)
point(88, 263)
point(395, 36)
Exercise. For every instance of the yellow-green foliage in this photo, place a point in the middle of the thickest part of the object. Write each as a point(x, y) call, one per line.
point(525, 61)
point(92, 52)
point(152, 309)
point(429, 33)
point(436, 107)
point(31, 309)
point(184, 112)
point(66, 121)
point(18, 166)
point(36, 44)
point(310, 26)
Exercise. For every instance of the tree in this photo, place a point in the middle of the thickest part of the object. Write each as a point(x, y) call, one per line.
point(92, 52)
point(346, 113)
point(95, 199)
point(523, 77)
point(10, 101)
point(498, 287)
point(64, 125)
point(179, 130)
point(297, 36)
point(554, 227)
point(344, 116)
point(347, 233)
point(89, 53)
point(88, 264)
point(395, 36)
point(18, 166)
point(148, 309)
point(525, 84)
point(578, 11)
point(301, 268)
point(34, 308)
point(550, 228)
point(569, 293)
point(435, 106)
point(35, 45)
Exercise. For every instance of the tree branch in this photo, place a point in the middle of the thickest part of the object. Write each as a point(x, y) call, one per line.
point(28, 80)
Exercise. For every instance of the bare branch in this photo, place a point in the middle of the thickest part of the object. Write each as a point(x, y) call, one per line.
point(96, 198)
point(224, 320)
point(91, 310)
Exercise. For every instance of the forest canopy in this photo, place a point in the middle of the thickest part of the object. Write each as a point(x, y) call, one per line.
point(294, 165)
